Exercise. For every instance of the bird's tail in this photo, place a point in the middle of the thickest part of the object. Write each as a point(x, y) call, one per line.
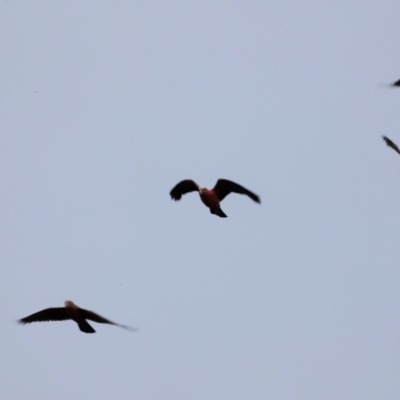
point(85, 327)
point(219, 212)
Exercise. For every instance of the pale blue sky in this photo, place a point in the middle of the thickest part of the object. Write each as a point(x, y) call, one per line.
point(105, 106)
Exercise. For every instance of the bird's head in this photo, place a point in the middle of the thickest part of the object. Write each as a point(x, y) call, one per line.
point(202, 189)
point(68, 303)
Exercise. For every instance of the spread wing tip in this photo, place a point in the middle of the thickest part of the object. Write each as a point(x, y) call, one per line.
point(183, 187)
point(128, 328)
point(175, 195)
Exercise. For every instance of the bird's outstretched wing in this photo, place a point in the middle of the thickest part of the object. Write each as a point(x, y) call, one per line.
point(397, 83)
point(182, 188)
point(391, 144)
point(101, 320)
point(49, 314)
point(223, 187)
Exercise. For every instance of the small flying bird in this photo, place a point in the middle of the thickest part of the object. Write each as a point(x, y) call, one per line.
point(391, 144)
point(211, 197)
point(70, 311)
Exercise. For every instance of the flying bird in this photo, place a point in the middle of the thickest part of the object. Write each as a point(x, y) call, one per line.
point(211, 197)
point(70, 311)
point(391, 144)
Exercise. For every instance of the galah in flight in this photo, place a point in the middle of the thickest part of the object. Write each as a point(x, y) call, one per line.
point(211, 197)
point(70, 311)
point(391, 144)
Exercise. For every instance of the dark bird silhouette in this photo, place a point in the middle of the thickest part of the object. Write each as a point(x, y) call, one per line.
point(391, 144)
point(211, 197)
point(396, 84)
point(70, 311)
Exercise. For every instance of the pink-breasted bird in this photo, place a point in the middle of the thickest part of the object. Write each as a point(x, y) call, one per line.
point(70, 311)
point(211, 197)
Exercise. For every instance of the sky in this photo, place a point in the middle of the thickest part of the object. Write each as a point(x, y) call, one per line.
point(105, 106)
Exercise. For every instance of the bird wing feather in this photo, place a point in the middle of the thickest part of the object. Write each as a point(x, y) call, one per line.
point(223, 187)
point(182, 188)
point(101, 320)
point(49, 314)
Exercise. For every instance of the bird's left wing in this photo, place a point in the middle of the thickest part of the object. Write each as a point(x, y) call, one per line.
point(49, 314)
point(182, 188)
point(223, 187)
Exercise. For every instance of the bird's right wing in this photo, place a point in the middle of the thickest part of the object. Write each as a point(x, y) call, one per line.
point(101, 320)
point(391, 144)
point(182, 188)
point(223, 187)
point(49, 314)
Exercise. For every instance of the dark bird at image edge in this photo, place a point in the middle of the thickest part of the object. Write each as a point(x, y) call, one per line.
point(391, 144)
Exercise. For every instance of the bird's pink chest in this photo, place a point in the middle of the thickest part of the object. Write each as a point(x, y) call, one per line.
point(209, 199)
point(73, 313)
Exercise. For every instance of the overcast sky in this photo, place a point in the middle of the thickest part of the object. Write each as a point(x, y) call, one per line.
point(105, 106)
